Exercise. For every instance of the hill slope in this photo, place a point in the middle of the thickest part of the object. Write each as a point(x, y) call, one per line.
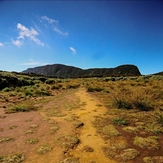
point(64, 71)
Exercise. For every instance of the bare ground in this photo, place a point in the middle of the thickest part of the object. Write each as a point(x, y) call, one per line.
point(69, 113)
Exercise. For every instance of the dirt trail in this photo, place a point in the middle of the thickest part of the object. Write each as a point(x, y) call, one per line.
point(90, 148)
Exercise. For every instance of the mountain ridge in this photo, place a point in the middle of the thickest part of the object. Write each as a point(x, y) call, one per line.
point(65, 71)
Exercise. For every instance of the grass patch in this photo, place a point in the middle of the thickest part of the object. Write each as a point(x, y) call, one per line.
point(44, 149)
point(110, 130)
point(159, 116)
point(119, 121)
point(32, 141)
point(34, 126)
point(147, 143)
point(121, 103)
point(6, 139)
point(69, 160)
point(12, 127)
point(131, 129)
point(13, 158)
point(94, 89)
point(54, 129)
point(30, 131)
point(113, 150)
point(68, 141)
point(154, 159)
point(20, 108)
point(55, 113)
point(127, 154)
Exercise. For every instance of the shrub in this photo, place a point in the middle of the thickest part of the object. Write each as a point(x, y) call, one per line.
point(121, 103)
point(142, 100)
point(142, 105)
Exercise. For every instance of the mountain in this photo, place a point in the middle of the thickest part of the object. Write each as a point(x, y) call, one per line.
point(159, 73)
point(64, 71)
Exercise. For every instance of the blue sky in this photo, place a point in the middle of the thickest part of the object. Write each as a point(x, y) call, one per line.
point(85, 34)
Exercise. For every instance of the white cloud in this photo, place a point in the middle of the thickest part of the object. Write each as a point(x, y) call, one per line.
point(1, 44)
point(73, 51)
point(59, 31)
point(49, 20)
point(17, 42)
point(24, 32)
point(53, 24)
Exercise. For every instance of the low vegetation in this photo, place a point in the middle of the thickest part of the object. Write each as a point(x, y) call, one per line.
point(20, 108)
point(132, 127)
point(44, 149)
point(13, 158)
point(68, 141)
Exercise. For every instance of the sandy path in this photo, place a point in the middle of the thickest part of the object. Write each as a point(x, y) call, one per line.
point(87, 133)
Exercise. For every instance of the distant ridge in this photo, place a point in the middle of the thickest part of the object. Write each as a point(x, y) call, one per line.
point(64, 71)
point(159, 73)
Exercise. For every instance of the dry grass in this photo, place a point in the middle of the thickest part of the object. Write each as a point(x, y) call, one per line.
point(13, 158)
point(44, 149)
point(20, 108)
point(110, 130)
point(68, 141)
point(150, 142)
point(32, 141)
point(69, 160)
point(6, 139)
